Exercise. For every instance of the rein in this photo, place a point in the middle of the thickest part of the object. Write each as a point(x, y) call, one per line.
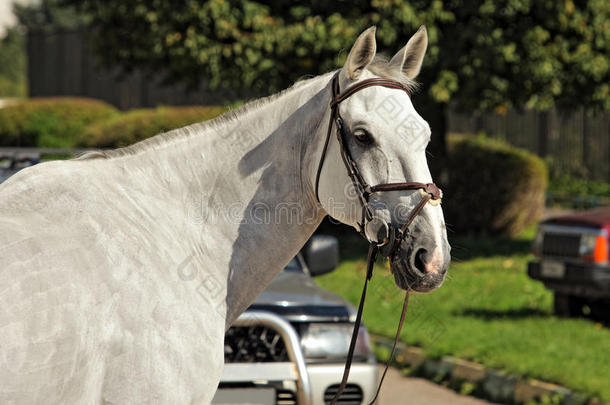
point(387, 245)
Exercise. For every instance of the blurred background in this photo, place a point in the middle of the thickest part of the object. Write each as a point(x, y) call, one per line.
point(517, 93)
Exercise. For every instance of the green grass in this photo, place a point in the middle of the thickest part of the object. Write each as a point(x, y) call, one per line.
point(487, 311)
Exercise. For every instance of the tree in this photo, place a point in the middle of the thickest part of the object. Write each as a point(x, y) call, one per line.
point(12, 65)
point(485, 55)
point(48, 15)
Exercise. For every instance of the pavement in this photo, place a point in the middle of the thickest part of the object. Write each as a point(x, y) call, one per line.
point(398, 390)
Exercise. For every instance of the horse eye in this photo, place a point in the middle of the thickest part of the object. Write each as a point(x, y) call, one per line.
point(363, 136)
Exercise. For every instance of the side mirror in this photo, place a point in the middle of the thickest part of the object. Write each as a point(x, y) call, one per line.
point(321, 254)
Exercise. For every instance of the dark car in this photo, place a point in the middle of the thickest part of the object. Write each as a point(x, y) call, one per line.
point(295, 315)
point(11, 162)
point(573, 261)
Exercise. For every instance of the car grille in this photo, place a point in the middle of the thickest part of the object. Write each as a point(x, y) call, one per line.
point(254, 344)
point(352, 395)
point(561, 245)
point(285, 397)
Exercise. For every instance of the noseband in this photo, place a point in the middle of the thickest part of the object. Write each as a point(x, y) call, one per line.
point(389, 243)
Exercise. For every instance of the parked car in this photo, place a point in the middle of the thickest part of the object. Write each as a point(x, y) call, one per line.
point(11, 163)
point(573, 261)
point(322, 325)
point(13, 159)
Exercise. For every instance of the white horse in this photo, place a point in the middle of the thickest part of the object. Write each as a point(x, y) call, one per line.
point(120, 271)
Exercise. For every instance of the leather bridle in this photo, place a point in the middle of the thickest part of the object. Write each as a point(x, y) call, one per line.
point(429, 191)
point(387, 245)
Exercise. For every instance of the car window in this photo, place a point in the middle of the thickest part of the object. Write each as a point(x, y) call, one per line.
point(294, 265)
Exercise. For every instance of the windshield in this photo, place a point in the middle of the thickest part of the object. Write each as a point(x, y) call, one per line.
point(294, 265)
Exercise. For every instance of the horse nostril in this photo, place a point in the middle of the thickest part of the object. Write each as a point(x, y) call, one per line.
point(419, 262)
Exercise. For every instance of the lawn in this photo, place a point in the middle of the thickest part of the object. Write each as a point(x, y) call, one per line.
point(487, 311)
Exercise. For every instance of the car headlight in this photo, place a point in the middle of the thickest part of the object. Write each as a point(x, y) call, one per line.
point(331, 341)
point(594, 247)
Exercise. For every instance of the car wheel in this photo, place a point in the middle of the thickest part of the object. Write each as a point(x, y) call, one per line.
point(565, 305)
point(600, 310)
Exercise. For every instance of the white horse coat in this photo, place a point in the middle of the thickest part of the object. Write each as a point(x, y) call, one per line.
point(120, 271)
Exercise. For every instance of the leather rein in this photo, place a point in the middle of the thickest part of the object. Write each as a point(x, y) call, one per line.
point(387, 245)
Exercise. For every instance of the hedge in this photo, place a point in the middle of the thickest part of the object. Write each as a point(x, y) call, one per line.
point(136, 125)
point(491, 187)
point(577, 193)
point(54, 122)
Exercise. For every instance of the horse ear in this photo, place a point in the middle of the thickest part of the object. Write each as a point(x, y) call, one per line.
point(409, 59)
point(361, 54)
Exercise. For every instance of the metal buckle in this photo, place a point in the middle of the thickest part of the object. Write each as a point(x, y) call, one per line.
point(431, 201)
point(386, 249)
point(377, 231)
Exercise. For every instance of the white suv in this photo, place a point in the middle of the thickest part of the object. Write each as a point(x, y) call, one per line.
point(291, 344)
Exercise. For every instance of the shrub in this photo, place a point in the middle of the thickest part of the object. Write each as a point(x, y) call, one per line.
point(572, 186)
point(579, 193)
point(13, 82)
point(55, 122)
point(491, 187)
point(137, 125)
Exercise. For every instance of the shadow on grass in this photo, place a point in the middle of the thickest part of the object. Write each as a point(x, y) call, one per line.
point(491, 314)
point(522, 313)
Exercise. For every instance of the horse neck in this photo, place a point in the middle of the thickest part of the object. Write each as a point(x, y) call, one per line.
point(246, 189)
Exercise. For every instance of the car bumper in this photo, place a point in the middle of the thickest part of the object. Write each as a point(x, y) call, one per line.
point(322, 376)
point(578, 279)
point(238, 377)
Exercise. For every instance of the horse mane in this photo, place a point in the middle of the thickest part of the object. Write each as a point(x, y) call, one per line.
point(179, 133)
point(379, 67)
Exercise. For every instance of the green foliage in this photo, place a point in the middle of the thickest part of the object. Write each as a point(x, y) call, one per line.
point(48, 15)
point(481, 54)
point(492, 187)
point(537, 54)
point(488, 311)
point(55, 122)
point(556, 399)
point(381, 353)
point(13, 81)
point(70, 122)
point(571, 186)
point(467, 388)
point(137, 125)
point(572, 192)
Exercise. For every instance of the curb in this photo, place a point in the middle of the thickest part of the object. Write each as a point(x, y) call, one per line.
point(475, 379)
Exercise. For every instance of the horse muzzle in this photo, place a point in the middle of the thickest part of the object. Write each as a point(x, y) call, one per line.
point(419, 263)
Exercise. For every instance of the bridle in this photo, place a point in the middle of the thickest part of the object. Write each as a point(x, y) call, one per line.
point(387, 245)
point(430, 192)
